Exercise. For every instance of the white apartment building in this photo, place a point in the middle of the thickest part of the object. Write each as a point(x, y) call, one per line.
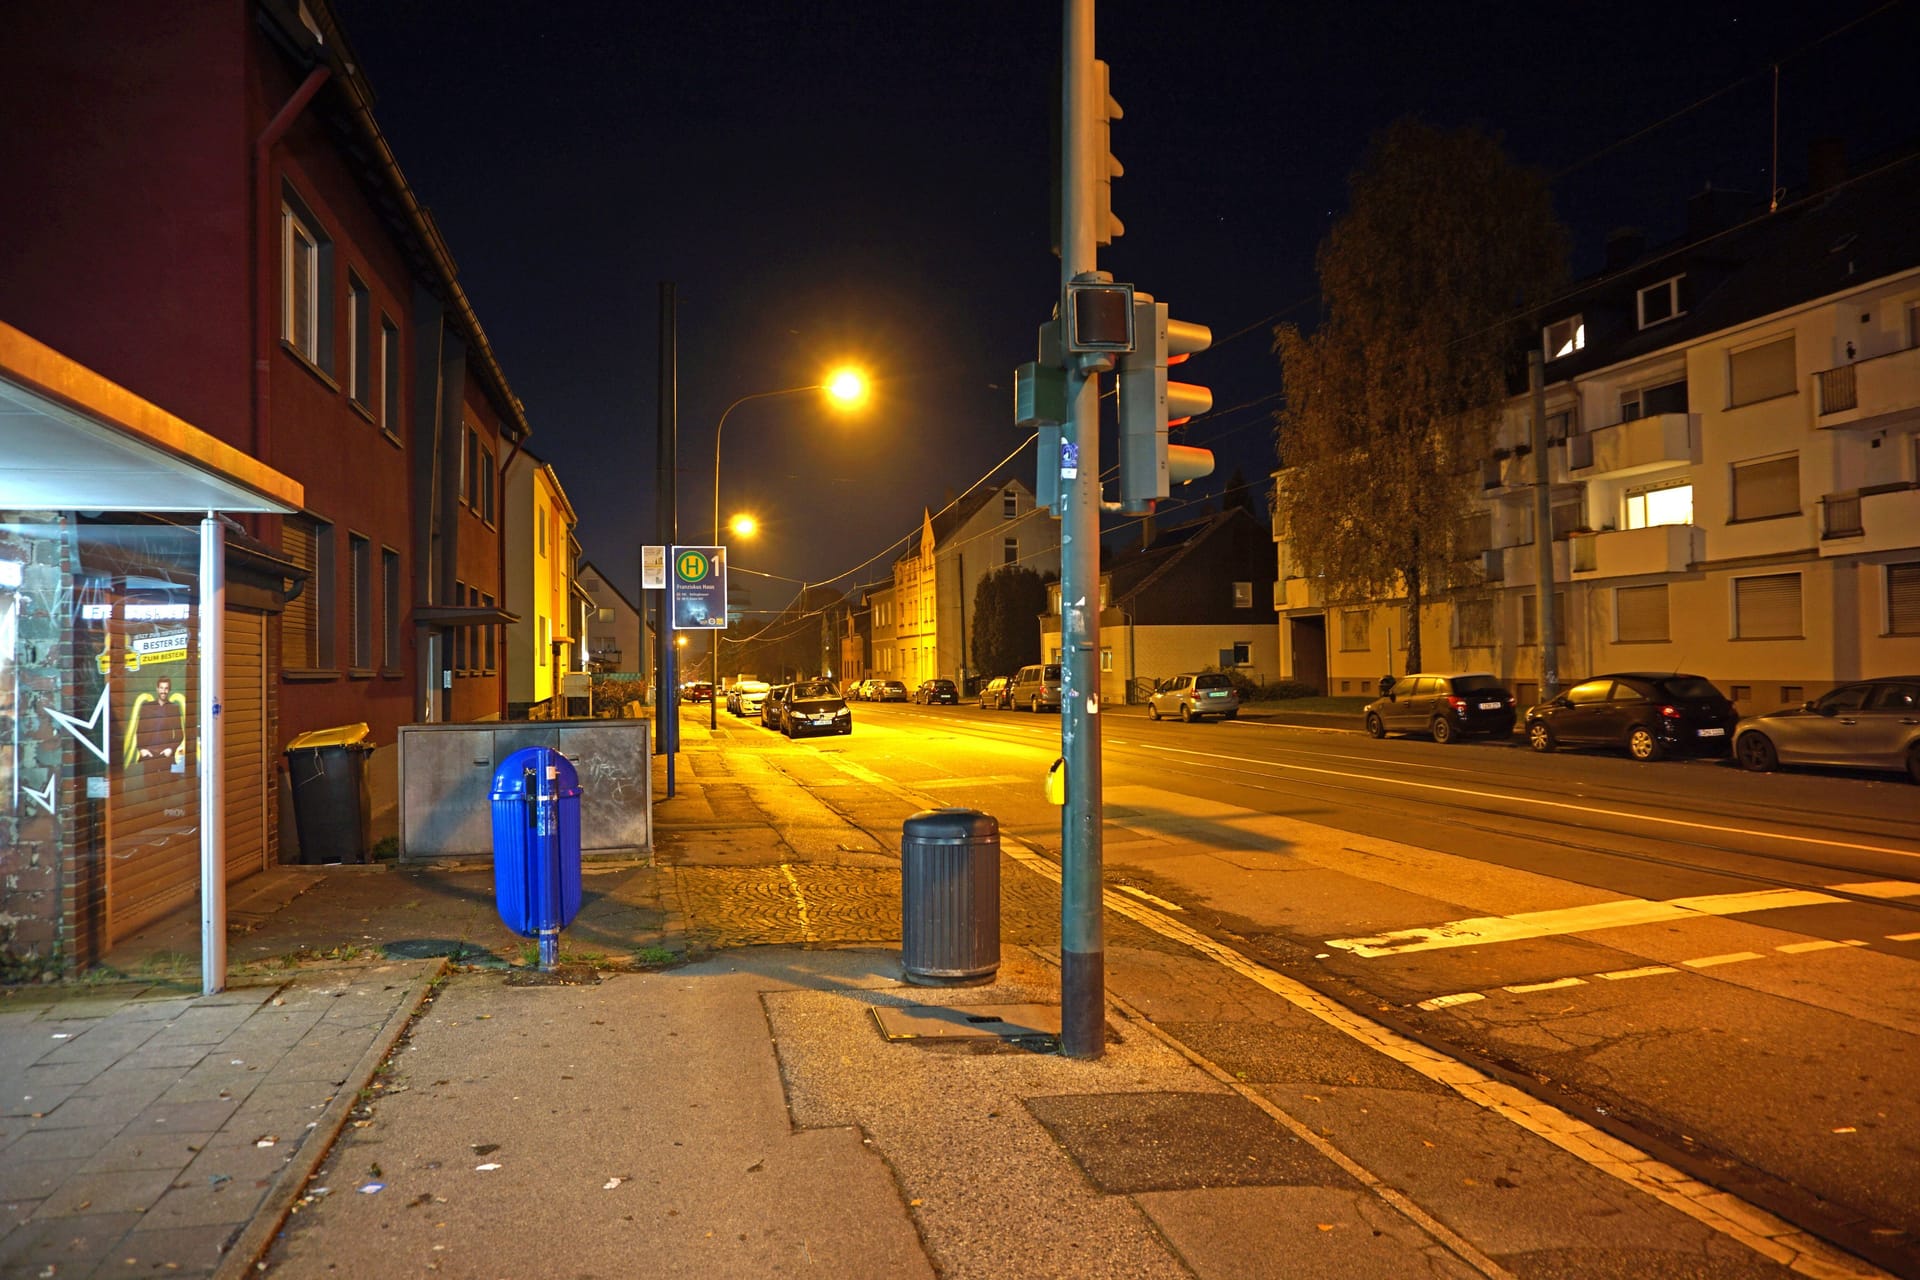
point(1734, 456)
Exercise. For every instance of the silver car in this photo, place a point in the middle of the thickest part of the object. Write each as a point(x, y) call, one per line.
point(1874, 724)
point(1195, 697)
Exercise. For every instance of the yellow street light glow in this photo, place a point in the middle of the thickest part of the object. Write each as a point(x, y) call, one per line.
point(744, 525)
point(847, 387)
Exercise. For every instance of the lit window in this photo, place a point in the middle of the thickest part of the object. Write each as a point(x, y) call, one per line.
point(1670, 503)
point(1565, 337)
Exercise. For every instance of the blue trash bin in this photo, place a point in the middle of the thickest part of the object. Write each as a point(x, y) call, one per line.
point(536, 846)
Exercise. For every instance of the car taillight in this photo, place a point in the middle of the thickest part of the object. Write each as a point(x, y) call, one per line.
point(1670, 711)
point(1459, 704)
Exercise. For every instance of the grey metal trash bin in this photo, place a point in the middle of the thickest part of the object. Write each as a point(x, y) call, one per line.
point(328, 768)
point(950, 897)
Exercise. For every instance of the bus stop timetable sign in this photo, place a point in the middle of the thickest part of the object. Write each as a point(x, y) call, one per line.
point(699, 588)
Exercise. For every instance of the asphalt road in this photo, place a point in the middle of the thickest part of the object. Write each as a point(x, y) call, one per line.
point(1719, 964)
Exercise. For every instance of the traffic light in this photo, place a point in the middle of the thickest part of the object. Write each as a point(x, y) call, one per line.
point(1149, 404)
point(1106, 227)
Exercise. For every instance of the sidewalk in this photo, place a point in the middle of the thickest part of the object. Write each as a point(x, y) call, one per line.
point(744, 1114)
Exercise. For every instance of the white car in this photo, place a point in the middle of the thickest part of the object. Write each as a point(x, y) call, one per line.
point(745, 697)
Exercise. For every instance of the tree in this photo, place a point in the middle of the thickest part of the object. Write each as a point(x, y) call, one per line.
point(1006, 620)
point(1391, 401)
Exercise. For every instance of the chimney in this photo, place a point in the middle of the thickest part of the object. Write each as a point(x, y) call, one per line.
point(1826, 164)
point(1625, 246)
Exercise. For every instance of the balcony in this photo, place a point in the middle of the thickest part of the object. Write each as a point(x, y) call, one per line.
point(1664, 548)
point(1302, 593)
point(1628, 448)
point(1869, 393)
point(1880, 518)
point(1520, 566)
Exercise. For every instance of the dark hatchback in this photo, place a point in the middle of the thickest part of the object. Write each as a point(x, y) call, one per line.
point(932, 691)
point(815, 706)
point(1447, 706)
point(1648, 714)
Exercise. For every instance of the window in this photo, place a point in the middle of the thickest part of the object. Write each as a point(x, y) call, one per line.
point(1760, 372)
point(1903, 599)
point(1242, 653)
point(1530, 618)
point(306, 634)
point(1010, 551)
point(390, 609)
point(1640, 614)
point(359, 342)
point(1765, 489)
point(1660, 302)
point(487, 470)
point(1767, 607)
point(1355, 629)
point(1243, 595)
point(1009, 504)
point(487, 634)
point(1473, 624)
point(390, 377)
point(1792, 695)
point(1565, 337)
point(360, 607)
point(1646, 402)
point(1106, 658)
point(306, 262)
point(1670, 502)
point(540, 522)
point(546, 639)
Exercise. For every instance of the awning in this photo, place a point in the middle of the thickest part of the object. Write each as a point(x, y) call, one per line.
point(460, 615)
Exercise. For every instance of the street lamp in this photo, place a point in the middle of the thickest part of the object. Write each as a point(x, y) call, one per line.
point(846, 387)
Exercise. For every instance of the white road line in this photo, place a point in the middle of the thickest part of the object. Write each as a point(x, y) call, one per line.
point(1510, 798)
point(1818, 944)
point(1903, 937)
point(1621, 913)
point(1644, 971)
point(1732, 957)
point(1144, 896)
point(1528, 987)
point(1442, 1002)
point(1880, 889)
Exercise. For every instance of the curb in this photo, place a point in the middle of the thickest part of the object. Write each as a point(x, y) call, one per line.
point(253, 1242)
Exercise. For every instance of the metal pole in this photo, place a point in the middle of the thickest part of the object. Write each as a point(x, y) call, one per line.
point(1082, 935)
point(666, 700)
point(209, 755)
point(1547, 612)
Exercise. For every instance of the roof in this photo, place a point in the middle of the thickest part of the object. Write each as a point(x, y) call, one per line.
point(1132, 576)
point(953, 517)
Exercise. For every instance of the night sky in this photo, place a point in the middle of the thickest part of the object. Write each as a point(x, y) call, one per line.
point(869, 181)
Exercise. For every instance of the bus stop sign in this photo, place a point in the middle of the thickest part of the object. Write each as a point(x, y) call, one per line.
point(698, 585)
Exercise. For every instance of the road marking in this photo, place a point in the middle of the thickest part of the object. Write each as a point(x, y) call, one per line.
point(1597, 810)
point(1144, 896)
point(1880, 889)
point(1818, 944)
point(1732, 957)
point(1441, 1002)
point(1903, 937)
point(1644, 971)
point(1526, 988)
point(1482, 930)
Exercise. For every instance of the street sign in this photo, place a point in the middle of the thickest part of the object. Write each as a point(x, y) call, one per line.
point(653, 567)
point(699, 588)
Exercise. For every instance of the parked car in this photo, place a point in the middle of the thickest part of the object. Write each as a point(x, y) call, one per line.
point(1195, 696)
point(770, 705)
point(993, 695)
point(1036, 687)
point(696, 691)
point(1871, 725)
point(932, 691)
point(745, 696)
point(1445, 705)
point(889, 691)
point(814, 706)
point(1648, 713)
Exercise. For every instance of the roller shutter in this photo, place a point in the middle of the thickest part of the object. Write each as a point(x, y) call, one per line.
point(244, 711)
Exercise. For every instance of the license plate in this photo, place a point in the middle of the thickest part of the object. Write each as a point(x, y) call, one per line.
point(1489, 706)
point(1713, 733)
point(1217, 694)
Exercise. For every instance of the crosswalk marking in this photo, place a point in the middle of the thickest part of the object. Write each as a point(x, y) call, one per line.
point(1818, 944)
point(1526, 988)
point(1732, 957)
point(1644, 971)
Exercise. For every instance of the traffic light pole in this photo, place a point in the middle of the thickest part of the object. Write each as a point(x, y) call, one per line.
point(1082, 931)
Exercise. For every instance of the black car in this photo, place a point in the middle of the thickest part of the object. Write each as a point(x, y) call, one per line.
point(1647, 713)
point(1448, 706)
point(932, 691)
point(814, 706)
point(770, 714)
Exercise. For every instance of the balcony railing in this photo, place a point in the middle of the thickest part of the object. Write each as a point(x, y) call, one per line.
point(1579, 452)
point(1839, 390)
point(1635, 446)
point(1840, 516)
